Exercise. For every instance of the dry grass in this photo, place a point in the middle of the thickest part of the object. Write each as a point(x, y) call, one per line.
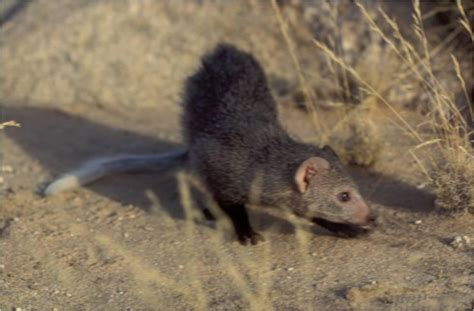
point(443, 152)
point(253, 280)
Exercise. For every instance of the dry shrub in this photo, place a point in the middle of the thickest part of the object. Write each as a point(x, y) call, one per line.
point(355, 138)
point(454, 188)
point(415, 69)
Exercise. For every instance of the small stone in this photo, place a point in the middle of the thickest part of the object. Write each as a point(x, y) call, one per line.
point(460, 242)
point(2, 180)
point(2, 266)
point(6, 169)
point(291, 269)
point(125, 235)
point(417, 222)
point(421, 186)
point(313, 254)
point(68, 294)
point(181, 266)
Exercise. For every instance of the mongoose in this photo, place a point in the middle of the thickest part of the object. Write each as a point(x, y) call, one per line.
point(235, 142)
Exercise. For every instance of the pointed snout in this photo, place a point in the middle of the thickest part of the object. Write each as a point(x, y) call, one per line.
point(370, 219)
point(364, 216)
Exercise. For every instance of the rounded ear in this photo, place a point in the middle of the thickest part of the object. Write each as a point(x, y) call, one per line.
point(308, 169)
point(329, 151)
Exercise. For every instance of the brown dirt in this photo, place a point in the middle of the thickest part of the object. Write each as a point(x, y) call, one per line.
point(88, 78)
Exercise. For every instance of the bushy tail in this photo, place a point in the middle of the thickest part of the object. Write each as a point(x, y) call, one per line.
point(101, 167)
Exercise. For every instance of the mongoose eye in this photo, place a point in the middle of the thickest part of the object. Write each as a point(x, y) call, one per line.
point(343, 196)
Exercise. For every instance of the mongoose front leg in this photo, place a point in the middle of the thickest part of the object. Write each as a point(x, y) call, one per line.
point(240, 219)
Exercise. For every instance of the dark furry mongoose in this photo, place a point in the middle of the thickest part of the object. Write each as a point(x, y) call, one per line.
point(235, 144)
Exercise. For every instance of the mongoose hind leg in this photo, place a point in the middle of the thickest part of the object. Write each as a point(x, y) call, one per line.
point(240, 219)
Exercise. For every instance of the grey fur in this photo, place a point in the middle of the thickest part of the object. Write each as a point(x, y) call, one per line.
point(240, 150)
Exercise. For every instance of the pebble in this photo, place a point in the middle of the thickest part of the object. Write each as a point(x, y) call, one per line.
point(2, 180)
point(460, 241)
point(417, 222)
point(421, 186)
point(6, 169)
point(291, 269)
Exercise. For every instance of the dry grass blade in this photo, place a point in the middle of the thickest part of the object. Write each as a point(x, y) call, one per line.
point(464, 21)
point(336, 59)
point(457, 67)
point(257, 299)
point(420, 165)
point(196, 283)
point(310, 97)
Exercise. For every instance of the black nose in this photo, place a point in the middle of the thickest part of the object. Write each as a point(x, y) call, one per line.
point(372, 218)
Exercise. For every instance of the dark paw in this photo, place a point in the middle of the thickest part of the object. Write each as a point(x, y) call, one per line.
point(341, 230)
point(251, 237)
point(208, 215)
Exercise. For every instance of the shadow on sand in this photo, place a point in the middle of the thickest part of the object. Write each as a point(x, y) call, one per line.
point(60, 141)
point(13, 10)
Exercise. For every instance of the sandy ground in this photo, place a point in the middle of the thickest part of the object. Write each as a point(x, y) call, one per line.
point(88, 78)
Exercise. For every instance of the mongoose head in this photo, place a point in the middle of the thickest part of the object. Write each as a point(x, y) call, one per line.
point(330, 197)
